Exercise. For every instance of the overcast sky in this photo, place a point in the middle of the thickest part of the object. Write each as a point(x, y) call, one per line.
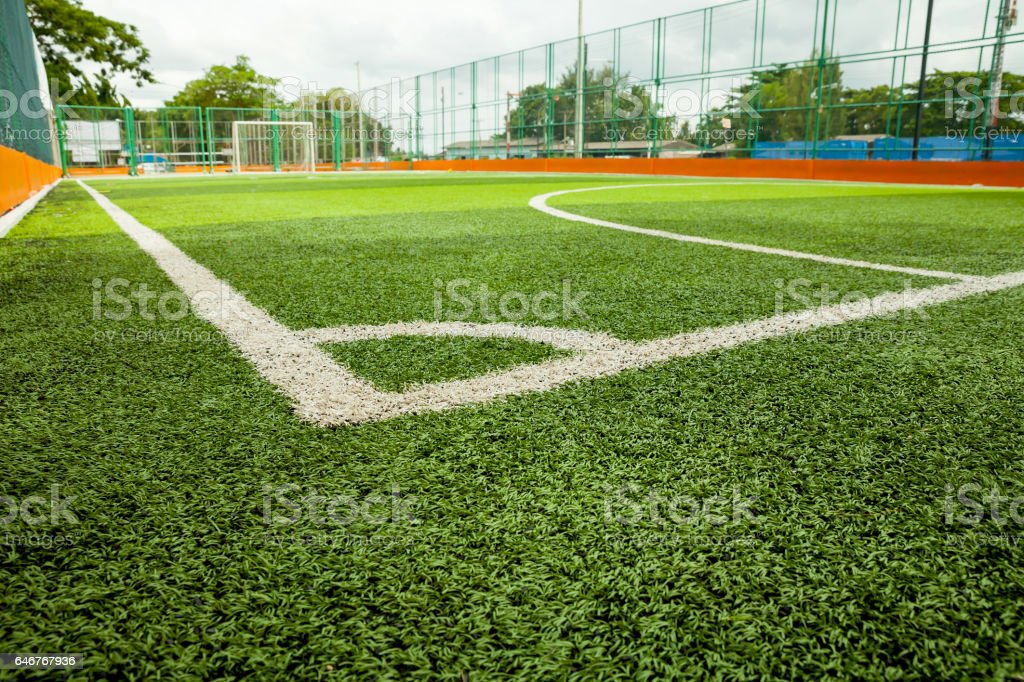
point(320, 40)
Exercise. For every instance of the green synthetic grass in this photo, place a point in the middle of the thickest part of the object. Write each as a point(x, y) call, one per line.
point(400, 362)
point(514, 546)
point(342, 265)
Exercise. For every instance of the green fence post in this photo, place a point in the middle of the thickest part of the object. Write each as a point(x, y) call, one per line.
point(203, 154)
point(60, 140)
point(821, 81)
point(336, 131)
point(275, 143)
point(654, 105)
point(129, 124)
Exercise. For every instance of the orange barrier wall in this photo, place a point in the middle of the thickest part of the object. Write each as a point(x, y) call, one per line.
point(86, 170)
point(21, 176)
point(997, 173)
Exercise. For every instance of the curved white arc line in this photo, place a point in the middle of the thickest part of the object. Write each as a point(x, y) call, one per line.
point(539, 203)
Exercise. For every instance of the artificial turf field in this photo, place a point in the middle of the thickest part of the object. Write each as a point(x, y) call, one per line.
point(784, 509)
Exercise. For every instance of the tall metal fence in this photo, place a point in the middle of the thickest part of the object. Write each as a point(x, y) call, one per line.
point(752, 78)
point(771, 79)
point(25, 123)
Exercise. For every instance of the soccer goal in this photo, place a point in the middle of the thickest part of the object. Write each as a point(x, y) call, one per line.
point(273, 146)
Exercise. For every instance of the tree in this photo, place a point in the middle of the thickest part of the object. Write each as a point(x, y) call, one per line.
point(69, 34)
point(238, 85)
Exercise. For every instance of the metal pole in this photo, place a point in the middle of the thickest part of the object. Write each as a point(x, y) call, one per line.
point(359, 107)
point(580, 76)
point(444, 154)
point(336, 131)
point(129, 124)
point(921, 85)
point(822, 64)
point(508, 126)
point(1007, 18)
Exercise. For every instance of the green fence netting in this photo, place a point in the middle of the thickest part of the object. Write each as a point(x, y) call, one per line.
point(25, 123)
point(772, 79)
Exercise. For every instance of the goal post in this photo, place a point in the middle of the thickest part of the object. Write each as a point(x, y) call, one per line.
point(273, 146)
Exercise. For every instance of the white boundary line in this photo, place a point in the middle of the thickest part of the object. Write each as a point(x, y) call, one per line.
point(14, 216)
point(326, 394)
point(540, 203)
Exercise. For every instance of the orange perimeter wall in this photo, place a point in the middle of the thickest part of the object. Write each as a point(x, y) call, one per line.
point(993, 174)
point(996, 173)
point(21, 176)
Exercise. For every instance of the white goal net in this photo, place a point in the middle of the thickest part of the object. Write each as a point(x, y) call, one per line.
point(273, 146)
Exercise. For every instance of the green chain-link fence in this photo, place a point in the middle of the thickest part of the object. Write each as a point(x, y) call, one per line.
point(25, 125)
point(774, 79)
point(753, 78)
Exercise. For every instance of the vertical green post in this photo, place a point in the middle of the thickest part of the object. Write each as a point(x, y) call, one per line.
point(60, 140)
point(275, 143)
point(336, 131)
point(129, 124)
point(654, 120)
point(202, 137)
point(821, 80)
point(211, 141)
point(472, 110)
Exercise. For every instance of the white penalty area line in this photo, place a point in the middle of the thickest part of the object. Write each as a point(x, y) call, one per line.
point(14, 216)
point(540, 203)
point(324, 393)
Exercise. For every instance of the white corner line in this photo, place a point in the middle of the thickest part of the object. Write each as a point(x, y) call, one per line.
point(539, 203)
point(14, 216)
point(325, 394)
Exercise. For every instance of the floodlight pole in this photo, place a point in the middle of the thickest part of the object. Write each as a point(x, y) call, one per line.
point(915, 153)
point(580, 71)
point(1007, 18)
point(359, 108)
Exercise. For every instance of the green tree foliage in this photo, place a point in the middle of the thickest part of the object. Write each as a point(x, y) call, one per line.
point(238, 85)
point(69, 35)
point(789, 104)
